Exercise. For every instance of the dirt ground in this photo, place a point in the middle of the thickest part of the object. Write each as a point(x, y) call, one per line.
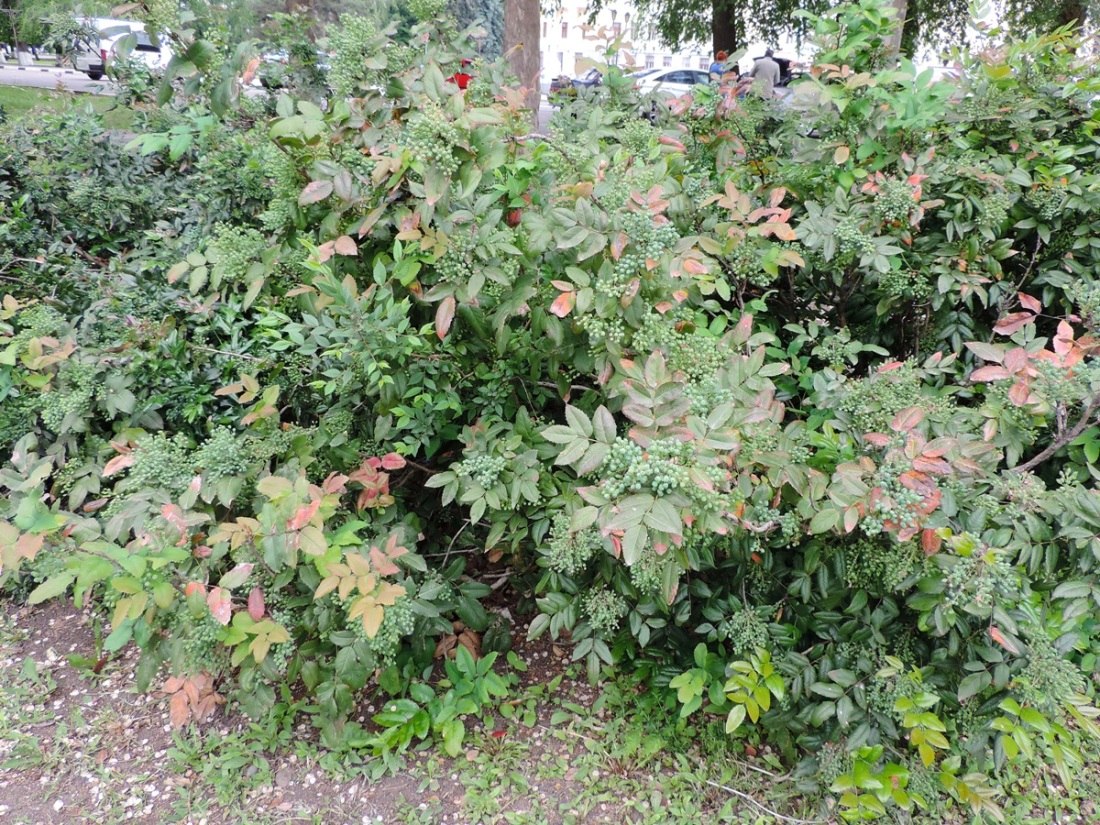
point(80, 746)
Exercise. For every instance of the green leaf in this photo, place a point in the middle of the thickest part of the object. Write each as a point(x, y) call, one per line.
point(53, 587)
point(735, 718)
point(974, 684)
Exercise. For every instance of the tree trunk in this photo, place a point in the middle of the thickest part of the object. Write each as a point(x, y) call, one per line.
point(1072, 11)
point(521, 46)
point(893, 45)
point(726, 36)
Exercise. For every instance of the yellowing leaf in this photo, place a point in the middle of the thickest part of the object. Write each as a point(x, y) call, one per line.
point(841, 155)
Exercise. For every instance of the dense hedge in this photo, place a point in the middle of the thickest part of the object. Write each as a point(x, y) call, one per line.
point(791, 410)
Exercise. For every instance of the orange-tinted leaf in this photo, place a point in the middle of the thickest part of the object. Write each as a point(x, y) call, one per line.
point(907, 419)
point(444, 315)
point(304, 515)
point(877, 439)
point(1013, 322)
point(990, 373)
point(179, 710)
point(694, 267)
point(392, 461)
point(996, 635)
point(118, 464)
point(564, 304)
point(344, 245)
point(936, 466)
point(617, 245)
point(1018, 393)
point(256, 604)
point(930, 542)
point(221, 607)
point(194, 587)
point(1028, 302)
point(841, 155)
point(315, 191)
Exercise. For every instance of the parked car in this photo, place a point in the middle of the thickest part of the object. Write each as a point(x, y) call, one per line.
point(112, 37)
point(671, 82)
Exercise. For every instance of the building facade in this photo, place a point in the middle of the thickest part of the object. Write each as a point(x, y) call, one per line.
point(568, 39)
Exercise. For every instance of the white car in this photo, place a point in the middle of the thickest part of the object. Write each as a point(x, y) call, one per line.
point(94, 53)
point(671, 82)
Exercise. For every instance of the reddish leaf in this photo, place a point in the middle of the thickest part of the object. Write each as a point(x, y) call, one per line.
point(344, 245)
point(893, 365)
point(694, 267)
point(315, 191)
point(444, 315)
point(877, 439)
point(237, 576)
point(326, 250)
point(1012, 323)
point(617, 245)
point(1027, 302)
point(1019, 393)
point(392, 461)
point(194, 587)
point(304, 515)
point(996, 635)
point(334, 483)
point(930, 542)
point(179, 710)
point(931, 465)
point(907, 419)
point(256, 604)
point(117, 464)
point(990, 373)
point(564, 304)
point(221, 608)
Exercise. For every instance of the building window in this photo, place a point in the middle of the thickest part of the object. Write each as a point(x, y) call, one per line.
point(617, 28)
point(649, 61)
point(687, 62)
point(561, 61)
point(666, 61)
point(703, 64)
point(545, 25)
point(565, 30)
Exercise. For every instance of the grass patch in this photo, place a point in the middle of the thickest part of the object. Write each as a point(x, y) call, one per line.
point(17, 102)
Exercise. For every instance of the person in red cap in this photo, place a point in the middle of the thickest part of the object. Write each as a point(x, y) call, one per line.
point(718, 67)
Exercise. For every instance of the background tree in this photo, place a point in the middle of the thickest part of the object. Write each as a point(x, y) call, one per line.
point(491, 15)
point(521, 44)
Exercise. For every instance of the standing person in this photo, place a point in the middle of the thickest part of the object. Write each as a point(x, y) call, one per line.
point(765, 73)
point(718, 67)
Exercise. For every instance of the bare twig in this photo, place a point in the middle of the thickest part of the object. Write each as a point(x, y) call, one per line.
point(230, 354)
point(1083, 423)
point(765, 809)
point(461, 529)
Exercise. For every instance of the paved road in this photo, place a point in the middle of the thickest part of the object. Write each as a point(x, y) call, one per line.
point(43, 77)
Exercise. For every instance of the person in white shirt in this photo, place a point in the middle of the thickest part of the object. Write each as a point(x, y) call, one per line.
point(765, 74)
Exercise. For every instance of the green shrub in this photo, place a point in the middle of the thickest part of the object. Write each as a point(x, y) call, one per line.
point(808, 390)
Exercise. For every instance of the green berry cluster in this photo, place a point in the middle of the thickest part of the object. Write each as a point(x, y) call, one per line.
point(162, 462)
point(1019, 493)
point(337, 421)
point(907, 284)
point(1049, 679)
point(200, 642)
point(432, 139)
point(745, 630)
point(427, 11)
point(744, 264)
point(570, 552)
point(220, 456)
point(881, 566)
point(649, 238)
point(894, 201)
point(994, 209)
point(976, 582)
point(851, 240)
point(77, 385)
point(648, 573)
point(456, 266)
point(605, 610)
point(868, 405)
point(398, 622)
point(1046, 201)
point(233, 249)
point(603, 330)
point(662, 468)
point(635, 135)
point(483, 469)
